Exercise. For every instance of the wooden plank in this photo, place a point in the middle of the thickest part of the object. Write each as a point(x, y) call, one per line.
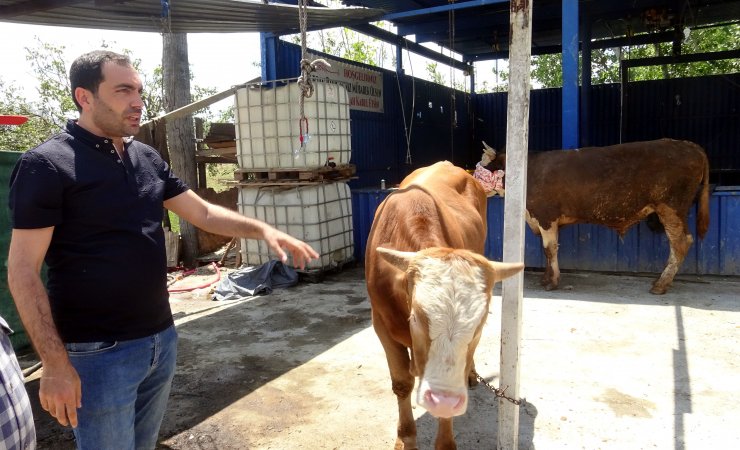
point(323, 173)
point(172, 247)
point(216, 159)
point(216, 151)
point(230, 143)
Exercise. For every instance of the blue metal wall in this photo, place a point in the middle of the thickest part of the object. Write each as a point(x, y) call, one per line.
point(592, 247)
point(705, 110)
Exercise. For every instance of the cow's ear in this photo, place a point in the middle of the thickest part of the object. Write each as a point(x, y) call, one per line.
point(399, 259)
point(504, 270)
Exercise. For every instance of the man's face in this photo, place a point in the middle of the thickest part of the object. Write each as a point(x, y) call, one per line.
point(115, 110)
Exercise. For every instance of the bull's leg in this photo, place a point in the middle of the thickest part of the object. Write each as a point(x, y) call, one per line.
point(402, 383)
point(679, 239)
point(551, 278)
point(445, 439)
point(472, 379)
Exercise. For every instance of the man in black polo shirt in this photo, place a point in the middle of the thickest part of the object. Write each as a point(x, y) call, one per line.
point(89, 201)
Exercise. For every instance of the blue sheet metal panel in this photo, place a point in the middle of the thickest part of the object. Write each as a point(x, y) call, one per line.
point(707, 251)
point(364, 204)
point(268, 55)
point(703, 110)
point(729, 224)
point(545, 119)
point(598, 248)
point(592, 247)
point(605, 121)
point(288, 60)
point(490, 120)
point(376, 141)
point(494, 249)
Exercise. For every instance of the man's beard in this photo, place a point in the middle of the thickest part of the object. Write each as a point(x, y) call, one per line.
point(113, 124)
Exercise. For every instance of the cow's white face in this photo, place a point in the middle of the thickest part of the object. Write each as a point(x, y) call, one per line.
point(449, 296)
point(453, 298)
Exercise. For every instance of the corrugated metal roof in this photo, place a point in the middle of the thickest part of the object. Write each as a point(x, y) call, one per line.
point(185, 16)
point(481, 28)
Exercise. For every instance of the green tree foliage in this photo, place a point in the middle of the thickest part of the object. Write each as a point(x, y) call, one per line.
point(49, 113)
point(547, 69)
point(31, 133)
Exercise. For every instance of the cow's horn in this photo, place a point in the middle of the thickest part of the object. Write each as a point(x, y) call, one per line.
point(505, 270)
point(487, 148)
point(399, 259)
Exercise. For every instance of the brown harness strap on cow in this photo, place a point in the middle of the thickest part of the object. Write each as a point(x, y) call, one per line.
point(497, 392)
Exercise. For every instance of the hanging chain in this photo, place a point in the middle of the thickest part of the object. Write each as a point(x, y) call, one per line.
point(501, 393)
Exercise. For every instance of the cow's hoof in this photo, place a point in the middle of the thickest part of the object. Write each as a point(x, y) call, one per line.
point(472, 380)
point(551, 286)
point(658, 290)
point(401, 446)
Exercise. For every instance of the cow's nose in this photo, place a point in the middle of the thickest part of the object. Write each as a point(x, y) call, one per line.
point(444, 405)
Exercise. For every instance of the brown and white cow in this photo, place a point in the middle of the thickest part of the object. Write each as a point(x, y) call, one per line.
point(429, 290)
point(617, 186)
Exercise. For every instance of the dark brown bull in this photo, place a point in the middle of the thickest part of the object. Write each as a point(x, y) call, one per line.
point(617, 186)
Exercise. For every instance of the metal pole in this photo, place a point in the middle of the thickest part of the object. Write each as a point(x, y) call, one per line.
point(570, 74)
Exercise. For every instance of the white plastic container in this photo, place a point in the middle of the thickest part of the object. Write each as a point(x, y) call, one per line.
point(268, 126)
point(320, 215)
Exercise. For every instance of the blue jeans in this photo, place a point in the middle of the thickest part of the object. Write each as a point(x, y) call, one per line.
point(125, 385)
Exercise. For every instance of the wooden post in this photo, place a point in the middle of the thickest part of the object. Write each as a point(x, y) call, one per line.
point(517, 136)
point(180, 132)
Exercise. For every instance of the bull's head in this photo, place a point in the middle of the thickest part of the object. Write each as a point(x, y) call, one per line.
point(450, 291)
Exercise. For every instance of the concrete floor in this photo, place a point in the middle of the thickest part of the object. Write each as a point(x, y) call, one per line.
point(604, 365)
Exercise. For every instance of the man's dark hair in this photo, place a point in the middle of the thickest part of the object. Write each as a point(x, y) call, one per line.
point(87, 70)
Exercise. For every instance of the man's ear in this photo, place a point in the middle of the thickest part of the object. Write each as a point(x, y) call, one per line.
point(83, 96)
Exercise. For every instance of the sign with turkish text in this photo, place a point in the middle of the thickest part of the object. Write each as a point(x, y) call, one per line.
point(364, 86)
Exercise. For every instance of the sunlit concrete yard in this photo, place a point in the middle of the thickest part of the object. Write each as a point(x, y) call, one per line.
point(604, 365)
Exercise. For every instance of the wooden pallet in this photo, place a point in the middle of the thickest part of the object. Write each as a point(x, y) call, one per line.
point(294, 176)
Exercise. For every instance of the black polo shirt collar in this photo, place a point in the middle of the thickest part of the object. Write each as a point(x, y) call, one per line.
point(103, 144)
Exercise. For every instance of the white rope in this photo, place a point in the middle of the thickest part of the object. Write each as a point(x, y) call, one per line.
point(407, 128)
point(307, 66)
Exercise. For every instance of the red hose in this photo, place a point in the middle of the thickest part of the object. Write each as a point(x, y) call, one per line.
point(200, 286)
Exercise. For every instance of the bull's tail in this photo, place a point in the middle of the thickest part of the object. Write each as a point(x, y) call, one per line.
point(702, 210)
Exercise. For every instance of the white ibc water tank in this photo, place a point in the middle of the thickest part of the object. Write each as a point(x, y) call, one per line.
point(320, 215)
point(268, 126)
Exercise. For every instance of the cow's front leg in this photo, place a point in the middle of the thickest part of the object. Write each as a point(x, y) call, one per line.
point(551, 279)
point(445, 439)
point(402, 383)
point(406, 431)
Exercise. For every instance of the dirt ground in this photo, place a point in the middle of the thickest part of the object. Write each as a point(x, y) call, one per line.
point(604, 365)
